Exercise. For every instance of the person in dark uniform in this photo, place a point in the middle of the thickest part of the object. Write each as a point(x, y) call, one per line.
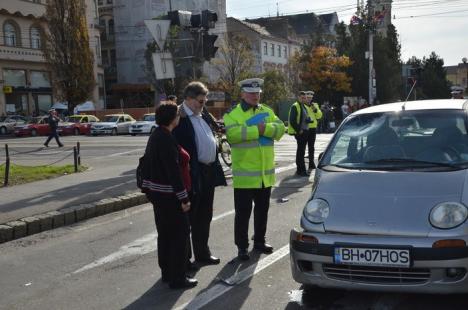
point(166, 183)
point(53, 121)
point(195, 134)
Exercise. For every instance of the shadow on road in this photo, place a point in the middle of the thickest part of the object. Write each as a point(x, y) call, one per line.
point(290, 185)
point(159, 296)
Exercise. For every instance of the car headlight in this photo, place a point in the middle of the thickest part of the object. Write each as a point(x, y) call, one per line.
point(316, 211)
point(448, 215)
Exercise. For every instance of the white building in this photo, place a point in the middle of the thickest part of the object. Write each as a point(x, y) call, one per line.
point(270, 52)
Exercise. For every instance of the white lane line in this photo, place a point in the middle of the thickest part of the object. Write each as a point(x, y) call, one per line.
point(123, 153)
point(219, 289)
point(141, 246)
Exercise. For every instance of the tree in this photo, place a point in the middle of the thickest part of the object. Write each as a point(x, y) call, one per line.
point(67, 51)
point(431, 77)
point(325, 72)
point(275, 89)
point(234, 63)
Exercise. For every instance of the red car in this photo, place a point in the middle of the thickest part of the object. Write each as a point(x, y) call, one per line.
point(78, 124)
point(37, 126)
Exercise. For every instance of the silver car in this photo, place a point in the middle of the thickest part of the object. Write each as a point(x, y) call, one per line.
point(8, 123)
point(113, 124)
point(389, 203)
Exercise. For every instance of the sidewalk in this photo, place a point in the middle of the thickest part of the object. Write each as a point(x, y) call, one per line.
point(54, 194)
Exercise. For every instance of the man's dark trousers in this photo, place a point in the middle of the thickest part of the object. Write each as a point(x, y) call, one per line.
point(311, 146)
point(243, 198)
point(301, 140)
point(201, 212)
point(53, 134)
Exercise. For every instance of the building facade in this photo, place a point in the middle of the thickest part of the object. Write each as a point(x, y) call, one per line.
point(458, 75)
point(270, 52)
point(25, 81)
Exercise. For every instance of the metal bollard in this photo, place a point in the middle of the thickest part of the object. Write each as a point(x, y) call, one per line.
point(75, 159)
point(79, 153)
point(7, 166)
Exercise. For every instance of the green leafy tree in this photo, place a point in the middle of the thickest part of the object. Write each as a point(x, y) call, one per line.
point(275, 89)
point(67, 51)
point(430, 76)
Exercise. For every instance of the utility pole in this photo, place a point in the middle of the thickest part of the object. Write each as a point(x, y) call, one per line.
point(371, 51)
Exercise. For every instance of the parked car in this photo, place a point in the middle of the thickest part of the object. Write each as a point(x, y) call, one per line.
point(146, 126)
point(389, 203)
point(113, 124)
point(37, 126)
point(78, 124)
point(8, 123)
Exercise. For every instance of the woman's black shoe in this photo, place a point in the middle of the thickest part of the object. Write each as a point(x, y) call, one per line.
point(243, 254)
point(185, 283)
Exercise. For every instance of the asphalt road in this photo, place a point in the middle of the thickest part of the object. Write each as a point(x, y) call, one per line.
point(110, 262)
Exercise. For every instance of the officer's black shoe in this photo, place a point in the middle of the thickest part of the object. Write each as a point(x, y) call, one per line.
point(265, 248)
point(243, 254)
point(184, 283)
point(211, 260)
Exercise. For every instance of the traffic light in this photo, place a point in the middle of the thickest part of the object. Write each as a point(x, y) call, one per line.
point(209, 50)
point(208, 19)
point(184, 19)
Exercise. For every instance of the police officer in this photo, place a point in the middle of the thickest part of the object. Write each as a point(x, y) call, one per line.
point(314, 114)
point(298, 126)
point(251, 129)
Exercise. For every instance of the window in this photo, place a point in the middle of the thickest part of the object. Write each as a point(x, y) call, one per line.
point(272, 49)
point(40, 79)
point(279, 50)
point(285, 50)
point(100, 2)
point(112, 58)
point(105, 58)
point(111, 28)
point(11, 36)
point(15, 78)
point(265, 48)
point(35, 37)
point(109, 1)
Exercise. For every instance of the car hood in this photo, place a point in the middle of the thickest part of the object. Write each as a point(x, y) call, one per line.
point(386, 203)
point(104, 124)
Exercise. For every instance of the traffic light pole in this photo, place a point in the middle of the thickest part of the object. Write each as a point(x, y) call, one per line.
point(371, 52)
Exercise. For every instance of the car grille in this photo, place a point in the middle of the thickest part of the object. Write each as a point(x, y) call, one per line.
point(377, 275)
point(137, 126)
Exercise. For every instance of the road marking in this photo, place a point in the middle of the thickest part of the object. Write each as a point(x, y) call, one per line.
point(140, 246)
point(219, 289)
point(123, 153)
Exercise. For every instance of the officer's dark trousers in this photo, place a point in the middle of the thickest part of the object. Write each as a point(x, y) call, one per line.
point(53, 134)
point(311, 146)
point(243, 199)
point(301, 140)
point(173, 239)
point(201, 212)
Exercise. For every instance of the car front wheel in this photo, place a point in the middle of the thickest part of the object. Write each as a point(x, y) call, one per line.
point(76, 132)
point(3, 131)
point(114, 132)
point(34, 132)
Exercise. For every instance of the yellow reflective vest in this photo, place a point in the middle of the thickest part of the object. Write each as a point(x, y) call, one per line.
point(295, 117)
point(253, 157)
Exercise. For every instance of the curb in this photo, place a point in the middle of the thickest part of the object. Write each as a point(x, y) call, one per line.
point(42, 222)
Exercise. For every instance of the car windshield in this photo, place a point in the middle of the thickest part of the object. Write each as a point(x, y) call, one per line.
point(401, 140)
point(111, 118)
point(149, 118)
point(34, 120)
point(73, 119)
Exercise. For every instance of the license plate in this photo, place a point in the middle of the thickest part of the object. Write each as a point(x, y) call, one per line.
point(372, 257)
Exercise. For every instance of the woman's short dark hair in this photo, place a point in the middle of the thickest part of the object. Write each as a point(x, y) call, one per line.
point(195, 89)
point(172, 98)
point(165, 113)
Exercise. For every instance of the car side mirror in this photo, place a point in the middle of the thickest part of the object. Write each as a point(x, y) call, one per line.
point(320, 156)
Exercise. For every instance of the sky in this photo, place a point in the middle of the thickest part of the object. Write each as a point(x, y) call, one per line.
point(424, 26)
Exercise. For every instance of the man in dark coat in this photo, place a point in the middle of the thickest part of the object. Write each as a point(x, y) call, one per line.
point(53, 121)
point(195, 134)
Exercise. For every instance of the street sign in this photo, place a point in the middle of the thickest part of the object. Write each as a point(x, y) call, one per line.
point(163, 66)
point(159, 30)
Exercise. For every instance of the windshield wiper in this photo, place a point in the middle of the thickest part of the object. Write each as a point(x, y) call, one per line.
point(413, 161)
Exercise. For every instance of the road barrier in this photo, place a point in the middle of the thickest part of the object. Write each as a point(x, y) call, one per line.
point(9, 152)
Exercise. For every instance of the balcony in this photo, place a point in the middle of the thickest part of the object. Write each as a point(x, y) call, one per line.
point(21, 54)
